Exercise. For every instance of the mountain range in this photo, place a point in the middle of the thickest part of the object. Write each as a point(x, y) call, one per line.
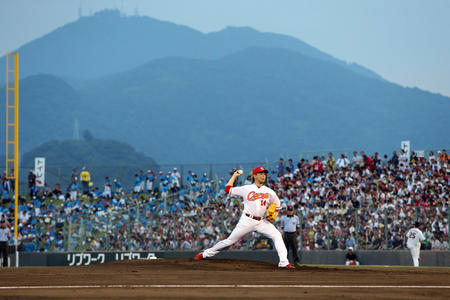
point(179, 95)
point(108, 43)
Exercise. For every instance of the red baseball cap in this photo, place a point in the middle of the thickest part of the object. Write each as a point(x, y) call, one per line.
point(259, 169)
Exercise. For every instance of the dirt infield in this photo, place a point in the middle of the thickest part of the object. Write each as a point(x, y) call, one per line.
point(185, 278)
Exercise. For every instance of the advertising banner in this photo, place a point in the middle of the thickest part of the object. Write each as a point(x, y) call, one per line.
point(39, 170)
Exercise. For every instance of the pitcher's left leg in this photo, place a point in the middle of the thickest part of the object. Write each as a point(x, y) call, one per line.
point(269, 230)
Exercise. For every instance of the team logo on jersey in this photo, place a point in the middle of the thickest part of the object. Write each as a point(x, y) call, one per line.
point(252, 196)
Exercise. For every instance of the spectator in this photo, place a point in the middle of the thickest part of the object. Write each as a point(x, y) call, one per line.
point(149, 179)
point(31, 180)
point(320, 243)
point(177, 176)
point(73, 191)
point(431, 157)
point(394, 159)
point(397, 243)
point(107, 188)
point(85, 179)
point(356, 160)
point(436, 243)
point(317, 165)
point(384, 161)
point(444, 243)
point(74, 175)
point(142, 179)
point(444, 157)
point(333, 243)
point(350, 241)
point(118, 186)
point(330, 161)
point(280, 168)
point(56, 191)
point(403, 160)
point(342, 162)
point(290, 165)
point(137, 183)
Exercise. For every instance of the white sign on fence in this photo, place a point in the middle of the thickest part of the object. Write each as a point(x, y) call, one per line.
point(420, 153)
point(39, 170)
point(406, 146)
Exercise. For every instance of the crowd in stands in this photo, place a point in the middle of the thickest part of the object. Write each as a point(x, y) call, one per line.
point(362, 201)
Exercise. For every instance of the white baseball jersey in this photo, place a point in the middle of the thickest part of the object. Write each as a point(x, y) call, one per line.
point(256, 199)
point(415, 236)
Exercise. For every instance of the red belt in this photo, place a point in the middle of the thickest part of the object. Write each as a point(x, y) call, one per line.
point(253, 217)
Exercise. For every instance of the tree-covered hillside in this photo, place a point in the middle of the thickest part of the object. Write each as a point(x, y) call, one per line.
point(101, 157)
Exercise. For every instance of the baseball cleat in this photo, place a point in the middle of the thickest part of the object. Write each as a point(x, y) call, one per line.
point(288, 266)
point(199, 256)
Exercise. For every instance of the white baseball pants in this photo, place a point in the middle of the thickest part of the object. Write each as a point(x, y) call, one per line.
point(245, 226)
point(415, 253)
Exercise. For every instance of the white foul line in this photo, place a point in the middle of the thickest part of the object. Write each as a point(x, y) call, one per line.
point(134, 286)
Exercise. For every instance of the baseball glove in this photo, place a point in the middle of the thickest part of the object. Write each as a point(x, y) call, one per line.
point(271, 213)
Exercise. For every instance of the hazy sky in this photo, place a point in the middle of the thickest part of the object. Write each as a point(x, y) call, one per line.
point(405, 41)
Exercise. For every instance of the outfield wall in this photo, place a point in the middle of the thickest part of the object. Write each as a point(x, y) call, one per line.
point(367, 257)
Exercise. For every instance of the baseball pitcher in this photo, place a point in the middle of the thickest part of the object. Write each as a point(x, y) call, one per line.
point(257, 199)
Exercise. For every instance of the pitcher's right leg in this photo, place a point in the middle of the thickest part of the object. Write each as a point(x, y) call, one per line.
point(244, 226)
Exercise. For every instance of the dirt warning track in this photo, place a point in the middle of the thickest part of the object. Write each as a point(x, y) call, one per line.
point(185, 278)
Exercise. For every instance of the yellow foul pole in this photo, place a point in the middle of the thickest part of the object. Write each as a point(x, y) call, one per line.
point(16, 156)
point(12, 112)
